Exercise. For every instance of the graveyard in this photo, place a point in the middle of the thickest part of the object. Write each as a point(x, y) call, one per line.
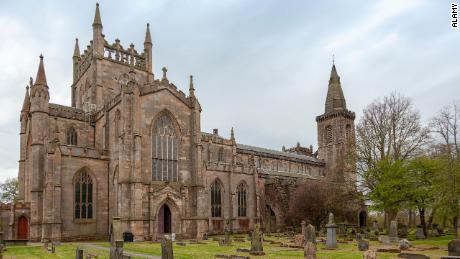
point(277, 245)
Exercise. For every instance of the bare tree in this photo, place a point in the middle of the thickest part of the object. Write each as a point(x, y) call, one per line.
point(390, 129)
point(314, 200)
point(446, 125)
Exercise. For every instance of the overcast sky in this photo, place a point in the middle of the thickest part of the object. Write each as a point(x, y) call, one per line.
point(260, 66)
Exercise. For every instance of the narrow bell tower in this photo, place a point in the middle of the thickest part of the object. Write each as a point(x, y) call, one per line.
point(336, 133)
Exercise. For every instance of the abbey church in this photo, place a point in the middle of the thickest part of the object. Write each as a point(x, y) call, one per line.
point(130, 145)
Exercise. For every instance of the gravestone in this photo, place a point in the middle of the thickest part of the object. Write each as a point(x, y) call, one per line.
point(404, 231)
point(205, 236)
point(453, 247)
point(412, 256)
point(166, 248)
point(310, 234)
point(404, 244)
point(384, 239)
point(375, 225)
point(256, 241)
point(331, 238)
point(79, 253)
point(309, 251)
point(227, 238)
point(363, 245)
point(303, 225)
point(419, 233)
point(393, 233)
point(53, 247)
point(370, 254)
point(116, 239)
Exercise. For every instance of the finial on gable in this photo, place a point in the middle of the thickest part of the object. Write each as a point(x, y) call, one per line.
point(232, 134)
point(191, 88)
point(148, 37)
point(97, 16)
point(164, 69)
point(41, 77)
point(76, 50)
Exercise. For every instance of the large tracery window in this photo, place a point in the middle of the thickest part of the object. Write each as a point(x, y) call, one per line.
point(242, 199)
point(83, 185)
point(164, 150)
point(71, 136)
point(216, 199)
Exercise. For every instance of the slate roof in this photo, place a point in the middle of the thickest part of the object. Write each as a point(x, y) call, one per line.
point(267, 151)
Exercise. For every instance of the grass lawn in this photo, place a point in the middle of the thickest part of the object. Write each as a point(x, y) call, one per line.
point(211, 248)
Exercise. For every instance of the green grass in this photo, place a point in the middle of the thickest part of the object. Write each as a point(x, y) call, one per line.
point(211, 248)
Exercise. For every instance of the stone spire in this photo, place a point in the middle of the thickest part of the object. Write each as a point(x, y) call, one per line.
point(148, 37)
point(40, 79)
point(191, 89)
point(335, 99)
point(232, 134)
point(76, 50)
point(97, 17)
point(148, 52)
point(26, 102)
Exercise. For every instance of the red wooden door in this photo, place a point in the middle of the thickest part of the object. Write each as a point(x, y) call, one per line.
point(23, 228)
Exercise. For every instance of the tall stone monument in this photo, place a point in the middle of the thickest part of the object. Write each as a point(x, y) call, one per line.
point(393, 233)
point(166, 248)
point(256, 241)
point(331, 239)
point(116, 239)
point(310, 234)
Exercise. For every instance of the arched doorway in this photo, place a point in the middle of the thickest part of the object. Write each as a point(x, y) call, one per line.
point(270, 219)
point(23, 228)
point(362, 219)
point(164, 220)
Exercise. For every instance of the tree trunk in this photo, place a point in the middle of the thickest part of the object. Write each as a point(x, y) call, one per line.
point(422, 221)
point(430, 219)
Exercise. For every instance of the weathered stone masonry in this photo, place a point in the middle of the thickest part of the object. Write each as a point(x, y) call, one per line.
point(130, 145)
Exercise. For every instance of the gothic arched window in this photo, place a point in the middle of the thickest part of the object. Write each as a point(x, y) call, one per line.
point(329, 134)
point(242, 199)
point(220, 155)
point(216, 199)
point(71, 136)
point(83, 187)
point(164, 150)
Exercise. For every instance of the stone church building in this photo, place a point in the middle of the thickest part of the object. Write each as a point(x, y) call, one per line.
point(130, 145)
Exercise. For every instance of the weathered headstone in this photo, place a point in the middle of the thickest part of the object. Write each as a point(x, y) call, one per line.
point(310, 234)
point(331, 239)
point(370, 254)
point(116, 239)
point(303, 224)
point(358, 236)
point(309, 251)
point(419, 233)
point(79, 253)
point(404, 244)
point(257, 241)
point(205, 236)
point(166, 248)
point(227, 232)
point(384, 239)
point(404, 231)
point(53, 247)
point(363, 245)
point(375, 225)
point(393, 233)
point(453, 247)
